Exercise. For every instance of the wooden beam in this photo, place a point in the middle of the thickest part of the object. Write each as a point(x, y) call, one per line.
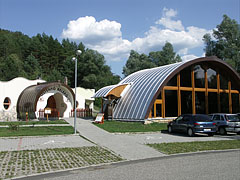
point(179, 94)
point(193, 93)
point(229, 97)
point(158, 101)
point(163, 103)
point(206, 91)
point(170, 88)
point(150, 114)
point(218, 92)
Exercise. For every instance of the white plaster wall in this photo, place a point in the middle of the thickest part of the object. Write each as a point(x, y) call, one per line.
point(62, 103)
point(13, 89)
point(83, 95)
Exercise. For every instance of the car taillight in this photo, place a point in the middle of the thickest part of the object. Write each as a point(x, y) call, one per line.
point(214, 123)
point(196, 124)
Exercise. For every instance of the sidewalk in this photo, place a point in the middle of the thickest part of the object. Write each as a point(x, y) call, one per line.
point(126, 146)
point(41, 142)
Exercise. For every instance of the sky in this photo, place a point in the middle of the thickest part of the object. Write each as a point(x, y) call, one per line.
point(115, 27)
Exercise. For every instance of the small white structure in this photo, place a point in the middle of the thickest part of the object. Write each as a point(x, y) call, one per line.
point(84, 98)
point(21, 96)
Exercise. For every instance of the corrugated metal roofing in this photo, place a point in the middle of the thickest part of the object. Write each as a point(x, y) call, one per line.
point(145, 84)
point(104, 91)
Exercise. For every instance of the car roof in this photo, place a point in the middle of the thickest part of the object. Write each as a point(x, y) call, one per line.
point(222, 114)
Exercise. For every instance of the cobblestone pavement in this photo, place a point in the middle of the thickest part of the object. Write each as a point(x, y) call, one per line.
point(29, 162)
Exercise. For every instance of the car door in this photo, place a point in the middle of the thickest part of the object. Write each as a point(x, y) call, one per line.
point(216, 119)
point(183, 123)
point(175, 123)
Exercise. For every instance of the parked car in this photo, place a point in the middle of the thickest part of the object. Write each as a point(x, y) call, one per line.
point(226, 122)
point(193, 123)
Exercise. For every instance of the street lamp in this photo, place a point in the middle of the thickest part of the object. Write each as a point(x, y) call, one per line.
point(75, 108)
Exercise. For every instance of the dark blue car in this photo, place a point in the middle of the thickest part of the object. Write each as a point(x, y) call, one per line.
point(193, 123)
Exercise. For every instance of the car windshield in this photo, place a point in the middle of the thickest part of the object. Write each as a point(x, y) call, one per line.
point(202, 118)
point(233, 118)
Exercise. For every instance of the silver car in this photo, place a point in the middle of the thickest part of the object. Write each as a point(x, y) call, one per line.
point(226, 122)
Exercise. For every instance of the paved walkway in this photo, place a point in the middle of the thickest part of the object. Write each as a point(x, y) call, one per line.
point(126, 146)
point(42, 142)
point(132, 146)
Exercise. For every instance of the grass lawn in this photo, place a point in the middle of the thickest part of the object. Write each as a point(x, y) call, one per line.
point(60, 121)
point(123, 127)
point(184, 147)
point(36, 131)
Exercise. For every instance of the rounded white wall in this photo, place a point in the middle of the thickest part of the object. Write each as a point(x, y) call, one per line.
point(63, 105)
point(12, 89)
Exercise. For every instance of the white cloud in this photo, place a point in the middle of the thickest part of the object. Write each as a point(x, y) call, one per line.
point(189, 57)
point(167, 21)
point(106, 37)
point(88, 30)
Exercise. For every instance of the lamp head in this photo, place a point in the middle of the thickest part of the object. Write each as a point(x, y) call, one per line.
point(78, 52)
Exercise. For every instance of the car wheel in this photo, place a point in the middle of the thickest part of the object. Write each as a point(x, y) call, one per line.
point(170, 129)
point(210, 134)
point(222, 131)
point(190, 132)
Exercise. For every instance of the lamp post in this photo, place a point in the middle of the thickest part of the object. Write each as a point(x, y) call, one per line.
point(75, 103)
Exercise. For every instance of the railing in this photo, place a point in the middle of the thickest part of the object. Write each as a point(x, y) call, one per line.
point(43, 115)
point(82, 113)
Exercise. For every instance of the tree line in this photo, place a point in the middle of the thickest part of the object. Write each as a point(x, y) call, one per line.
point(44, 57)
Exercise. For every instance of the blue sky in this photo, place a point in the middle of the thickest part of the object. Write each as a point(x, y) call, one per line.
point(114, 27)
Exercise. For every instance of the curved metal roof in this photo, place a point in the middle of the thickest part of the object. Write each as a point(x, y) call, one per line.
point(28, 99)
point(146, 85)
point(103, 92)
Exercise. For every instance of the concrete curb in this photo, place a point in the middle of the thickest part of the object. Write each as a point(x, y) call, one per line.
point(37, 125)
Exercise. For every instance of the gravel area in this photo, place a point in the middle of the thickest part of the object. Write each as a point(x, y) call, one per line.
point(28, 162)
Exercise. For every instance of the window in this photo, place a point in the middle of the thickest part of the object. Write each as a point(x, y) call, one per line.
point(216, 117)
point(6, 103)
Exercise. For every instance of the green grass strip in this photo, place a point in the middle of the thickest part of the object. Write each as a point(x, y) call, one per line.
point(60, 121)
point(123, 127)
point(184, 147)
point(36, 131)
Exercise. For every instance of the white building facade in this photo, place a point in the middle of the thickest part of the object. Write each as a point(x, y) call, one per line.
point(22, 98)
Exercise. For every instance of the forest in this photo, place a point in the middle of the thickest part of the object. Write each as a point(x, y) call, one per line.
point(44, 57)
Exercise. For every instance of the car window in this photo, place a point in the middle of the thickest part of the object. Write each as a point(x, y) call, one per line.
point(233, 118)
point(221, 118)
point(202, 118)
point(179, 118)
point(186, 119)
point(216, 117)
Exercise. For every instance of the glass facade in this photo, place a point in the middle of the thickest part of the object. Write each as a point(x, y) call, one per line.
point(199, 76)
point(201, 97)
point(212, 78)
point(170, 103)
point(186, 102)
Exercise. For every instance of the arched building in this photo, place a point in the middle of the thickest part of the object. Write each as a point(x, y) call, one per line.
point(56, 96)
point(21, 96)
point(204, 85)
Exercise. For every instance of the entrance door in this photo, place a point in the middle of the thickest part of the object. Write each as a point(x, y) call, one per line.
point(51, 103)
